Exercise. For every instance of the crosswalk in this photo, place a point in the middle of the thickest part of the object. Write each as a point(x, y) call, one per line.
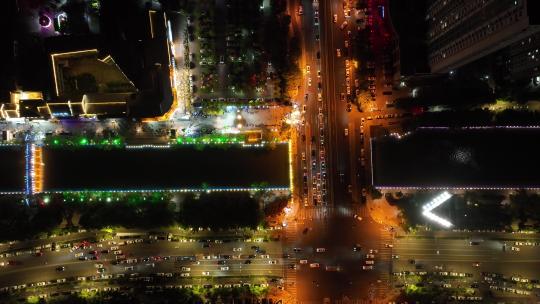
point(289, 278)
point(322, 213)
point(339, 301)
point(385, 256)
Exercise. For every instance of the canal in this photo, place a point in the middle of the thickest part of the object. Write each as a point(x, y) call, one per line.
point(177, 167)
point(12, 168)
point(507, 158)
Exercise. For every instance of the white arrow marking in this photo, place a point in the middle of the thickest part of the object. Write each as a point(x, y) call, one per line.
point(436, 202)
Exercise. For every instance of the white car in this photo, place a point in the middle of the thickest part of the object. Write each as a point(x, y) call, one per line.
point(237, 249)
point(206, 273)
point(338, 53)
point(186, 268)
point(370, 256)
point(370, 262)
point(272, 262)
point(184, 274)
point(320, 249)
point(314, 265)
point(303, 261)
point(224, 268)
point(370, 267)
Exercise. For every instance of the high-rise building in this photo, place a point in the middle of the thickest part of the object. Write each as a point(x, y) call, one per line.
point(462, 31)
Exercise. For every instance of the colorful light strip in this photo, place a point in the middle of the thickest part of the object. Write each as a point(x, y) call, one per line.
point(181, 190)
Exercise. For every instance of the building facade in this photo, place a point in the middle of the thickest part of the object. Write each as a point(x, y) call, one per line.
point(462, 31)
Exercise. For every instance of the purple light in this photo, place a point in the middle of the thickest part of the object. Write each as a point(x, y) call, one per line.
point(44, 20)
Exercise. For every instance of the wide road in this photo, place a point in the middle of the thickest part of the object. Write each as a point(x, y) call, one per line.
point(327, 168)
point(486, 254)
point(208, 261)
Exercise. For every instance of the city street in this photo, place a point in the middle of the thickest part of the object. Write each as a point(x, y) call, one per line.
point(193, 261)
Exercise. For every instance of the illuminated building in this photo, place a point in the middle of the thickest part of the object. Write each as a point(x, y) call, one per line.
point(460, 32)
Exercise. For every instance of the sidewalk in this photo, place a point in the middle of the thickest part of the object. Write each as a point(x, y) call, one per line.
point(383, 213)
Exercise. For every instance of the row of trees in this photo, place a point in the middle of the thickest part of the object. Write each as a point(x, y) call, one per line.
point(180, 296)
point(474, 210)
point(223, 210)
point(282, 50)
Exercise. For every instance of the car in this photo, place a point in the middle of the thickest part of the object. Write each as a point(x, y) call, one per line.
point(83, 258)
point(239, 248)
point(224, 268)
point(303, 261)
point(395, 256)
point(314, 265)
point(515, 248)
point(388, 245)
point(346, 132)
point(346, 43)
point(272, 262)
point(369, 262)
point(98, 265)
point(100, 270)
point(320, 250)
point(60, 268)
point(357, 247)
point(117, 252)
point(349, 107)
point(356, 216)
point(308, 69)
point(476, 264)
point(370, 256)
point(184, 268)
point(338, 53)
point(300, 10)
point(206, 273)
point(369, 267)
point(349, 188)
point(343, 25)
point(185, 274)
point(334, 18)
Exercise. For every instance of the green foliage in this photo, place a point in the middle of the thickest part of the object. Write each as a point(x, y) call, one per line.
point(221, 210)
point(275, 207)
point(128, 214)
point(18, 221)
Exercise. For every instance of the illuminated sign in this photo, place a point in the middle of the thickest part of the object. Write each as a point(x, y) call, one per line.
point(434, 203)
